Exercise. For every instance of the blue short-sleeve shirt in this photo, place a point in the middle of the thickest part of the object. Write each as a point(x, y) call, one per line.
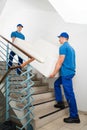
point(69, 65)
point(17, 34)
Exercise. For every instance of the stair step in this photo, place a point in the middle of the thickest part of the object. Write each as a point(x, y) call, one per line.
point(40, 89)
point(36, 93)
point(37, 89)
point(46, 112)
point(43, 96)
point(46, 115)
point(35, 103)
point(44, 106)
point(38, 98)
point(17, 78)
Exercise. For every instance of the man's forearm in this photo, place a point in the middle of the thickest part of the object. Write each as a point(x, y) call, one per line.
point(13, 38)
point(57, 68)
point(58, 65)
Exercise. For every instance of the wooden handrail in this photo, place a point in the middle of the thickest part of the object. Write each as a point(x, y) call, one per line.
point(17, 47)
point(15, 67)
point(31, 58)
point(27, 62)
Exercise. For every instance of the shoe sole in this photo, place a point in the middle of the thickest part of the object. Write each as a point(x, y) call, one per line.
point(72, 122)
point(59, 107)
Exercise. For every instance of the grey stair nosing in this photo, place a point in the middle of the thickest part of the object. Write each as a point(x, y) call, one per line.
point(39, 123)
point(41, 117)
point(45, 107)
point(43, 102)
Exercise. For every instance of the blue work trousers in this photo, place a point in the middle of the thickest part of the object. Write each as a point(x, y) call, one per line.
point(20, 61)
point(66, 81)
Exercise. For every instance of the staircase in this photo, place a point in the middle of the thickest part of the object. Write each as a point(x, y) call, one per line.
point(43, 103)
point(31, 101)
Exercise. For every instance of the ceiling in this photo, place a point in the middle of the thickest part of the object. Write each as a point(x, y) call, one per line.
point(2, 4)
point(72, 11)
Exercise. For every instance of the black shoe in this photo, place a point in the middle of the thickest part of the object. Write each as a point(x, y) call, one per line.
point(72, 120)
point(8, 67)
point(19, 71)
point(60, 105)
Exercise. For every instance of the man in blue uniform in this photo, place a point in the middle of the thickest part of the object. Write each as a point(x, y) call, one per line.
point(66, 66)
point(16, 34)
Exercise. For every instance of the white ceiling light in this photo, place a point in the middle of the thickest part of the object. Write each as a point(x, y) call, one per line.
point(72, 11)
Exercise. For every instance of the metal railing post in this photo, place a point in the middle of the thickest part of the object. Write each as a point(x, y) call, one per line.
point(7, 56)
point(28, 100)
point(7, 85)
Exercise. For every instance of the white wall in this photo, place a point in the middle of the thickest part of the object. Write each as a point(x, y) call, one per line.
point(2, 4)
point(40, 20)
point(78, 34)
